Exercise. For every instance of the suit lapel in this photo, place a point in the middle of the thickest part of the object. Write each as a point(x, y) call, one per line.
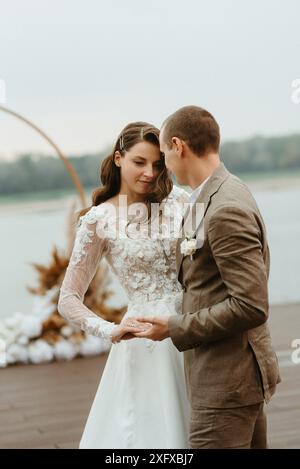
point(211, 187)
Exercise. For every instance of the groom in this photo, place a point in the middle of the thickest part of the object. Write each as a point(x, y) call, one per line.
point(230, 366)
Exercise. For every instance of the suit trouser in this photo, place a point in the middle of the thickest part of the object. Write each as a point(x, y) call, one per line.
point(239, 427)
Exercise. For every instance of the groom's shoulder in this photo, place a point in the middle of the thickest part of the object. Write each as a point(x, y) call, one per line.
point(234, 193)
point(234, 188)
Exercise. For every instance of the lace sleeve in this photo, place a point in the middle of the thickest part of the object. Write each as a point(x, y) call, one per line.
point(87, 252)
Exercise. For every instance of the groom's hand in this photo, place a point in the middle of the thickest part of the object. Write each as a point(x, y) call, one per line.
point(126, 330)
point(158, 331)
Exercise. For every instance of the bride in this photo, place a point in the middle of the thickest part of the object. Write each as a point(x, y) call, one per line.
point(141, 401)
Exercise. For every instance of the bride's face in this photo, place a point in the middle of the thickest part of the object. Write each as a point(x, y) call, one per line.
point(140, 167)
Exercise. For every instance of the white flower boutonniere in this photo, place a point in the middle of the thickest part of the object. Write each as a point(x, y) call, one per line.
point(188, 246)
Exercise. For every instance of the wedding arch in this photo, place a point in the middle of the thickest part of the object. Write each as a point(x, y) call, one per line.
point(49, 337)
point(68, 165)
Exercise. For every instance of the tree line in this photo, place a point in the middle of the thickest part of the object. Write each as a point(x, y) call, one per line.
point(35, 173)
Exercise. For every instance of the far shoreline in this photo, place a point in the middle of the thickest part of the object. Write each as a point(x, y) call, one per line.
point(60, 199)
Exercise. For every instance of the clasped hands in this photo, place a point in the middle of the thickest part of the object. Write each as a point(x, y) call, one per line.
point(153, 328)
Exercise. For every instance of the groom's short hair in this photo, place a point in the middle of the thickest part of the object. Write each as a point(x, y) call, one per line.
point(196, 126)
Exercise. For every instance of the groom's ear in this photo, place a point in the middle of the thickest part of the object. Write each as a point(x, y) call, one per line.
point(178, 146)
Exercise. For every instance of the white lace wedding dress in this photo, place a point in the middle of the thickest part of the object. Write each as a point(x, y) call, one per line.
point(141, 401)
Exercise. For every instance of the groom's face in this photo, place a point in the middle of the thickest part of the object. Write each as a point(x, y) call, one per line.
point(174, 162)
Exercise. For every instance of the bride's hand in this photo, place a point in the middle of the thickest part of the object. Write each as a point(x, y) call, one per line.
point(126, 330)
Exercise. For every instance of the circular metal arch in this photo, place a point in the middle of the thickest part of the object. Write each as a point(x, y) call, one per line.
point(70, 168)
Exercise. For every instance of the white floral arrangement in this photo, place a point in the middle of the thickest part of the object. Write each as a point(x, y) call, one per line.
point(21, 341)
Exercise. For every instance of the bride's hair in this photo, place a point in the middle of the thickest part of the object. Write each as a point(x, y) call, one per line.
point(110, 176)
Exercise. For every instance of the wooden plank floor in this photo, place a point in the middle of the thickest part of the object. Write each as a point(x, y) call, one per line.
point(46, 406)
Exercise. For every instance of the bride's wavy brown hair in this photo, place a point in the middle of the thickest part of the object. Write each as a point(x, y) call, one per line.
point(110, 174)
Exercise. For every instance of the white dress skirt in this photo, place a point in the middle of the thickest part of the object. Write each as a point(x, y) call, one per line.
point(141, 401)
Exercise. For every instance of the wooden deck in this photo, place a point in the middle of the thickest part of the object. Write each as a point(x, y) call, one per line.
point(46, 406)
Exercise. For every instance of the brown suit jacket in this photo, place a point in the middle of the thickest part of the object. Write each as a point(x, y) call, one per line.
point(223, 330)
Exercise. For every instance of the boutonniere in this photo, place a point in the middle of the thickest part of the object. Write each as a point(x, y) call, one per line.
point(188, 246)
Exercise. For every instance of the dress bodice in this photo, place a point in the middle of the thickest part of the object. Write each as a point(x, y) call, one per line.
point(141, 254)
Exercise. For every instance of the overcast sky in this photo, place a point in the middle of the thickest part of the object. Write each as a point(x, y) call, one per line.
point(82, 69)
